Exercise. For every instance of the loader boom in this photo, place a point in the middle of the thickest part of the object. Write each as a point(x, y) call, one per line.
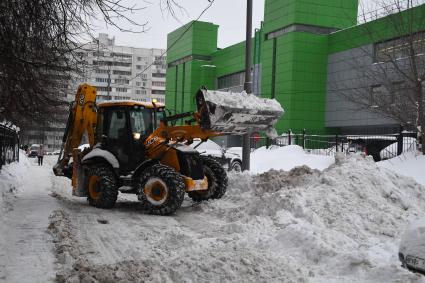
point(82, 119)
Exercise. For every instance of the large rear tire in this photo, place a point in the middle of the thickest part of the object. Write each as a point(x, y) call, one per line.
point(102, 186)
point(161, 189)
point(217, 181)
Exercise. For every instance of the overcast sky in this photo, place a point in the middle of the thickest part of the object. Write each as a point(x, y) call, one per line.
point(228, 14)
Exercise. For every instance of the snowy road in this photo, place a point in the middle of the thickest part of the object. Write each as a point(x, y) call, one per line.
point(339, 225)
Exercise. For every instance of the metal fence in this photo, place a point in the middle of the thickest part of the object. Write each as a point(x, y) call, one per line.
point(9, 145)
point(380, 147)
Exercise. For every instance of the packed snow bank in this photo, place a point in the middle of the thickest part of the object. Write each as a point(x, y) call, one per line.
point(11, 179)
point(411, 164)
point(286, 158)
point(339, 225)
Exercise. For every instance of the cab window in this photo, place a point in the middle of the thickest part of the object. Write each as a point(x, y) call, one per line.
point(117, 127)
point(141, 120)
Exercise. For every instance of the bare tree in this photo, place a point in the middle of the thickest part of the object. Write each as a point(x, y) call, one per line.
point(39, 40)
point(390, 75)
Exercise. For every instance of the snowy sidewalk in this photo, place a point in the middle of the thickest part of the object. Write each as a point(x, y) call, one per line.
point(26, 249)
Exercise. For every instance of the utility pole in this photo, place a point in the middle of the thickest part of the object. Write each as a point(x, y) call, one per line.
point(109, 84)
point(246, 143)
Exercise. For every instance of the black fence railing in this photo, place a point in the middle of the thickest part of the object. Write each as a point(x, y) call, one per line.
point(381, 146)
point(9, 145)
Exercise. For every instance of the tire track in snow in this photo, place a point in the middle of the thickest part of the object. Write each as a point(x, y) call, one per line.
point(196, 244)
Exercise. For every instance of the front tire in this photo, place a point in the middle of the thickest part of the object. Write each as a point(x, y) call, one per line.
point(217, 181)
point(102, 186)
point(161, 189)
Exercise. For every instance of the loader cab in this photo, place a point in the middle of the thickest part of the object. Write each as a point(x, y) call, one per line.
point(122, 128)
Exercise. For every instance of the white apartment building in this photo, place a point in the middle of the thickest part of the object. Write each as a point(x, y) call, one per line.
point(122, 72)
point(133, 73)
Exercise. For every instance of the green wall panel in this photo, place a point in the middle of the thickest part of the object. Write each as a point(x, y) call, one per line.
point(379, 30)
point(199, 38)
point(323, 13)
point(300, 79)
point(230, 60)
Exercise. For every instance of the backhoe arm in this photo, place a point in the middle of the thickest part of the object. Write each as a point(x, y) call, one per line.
point(82, 118)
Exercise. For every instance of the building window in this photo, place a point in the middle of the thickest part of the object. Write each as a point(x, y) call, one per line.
point(376, 92)
point(101, 80)
point(140, 91)
point(122, 98)
point(161, 84)
point(399, 48)
point(159, 61)
point(122, 55)
point(122, 64)
point(120, 89)
point(232, 80)
point(398, 89)
point(103, 88)
point(102, 63)
point(138, 83)
point(158, 75)
point(123, 73)
point(100, 71)
point(156, 91)
point(122, 81)
point(143, 76)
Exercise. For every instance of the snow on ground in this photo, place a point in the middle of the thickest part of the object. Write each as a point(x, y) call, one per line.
point(411, 164)
point(286, 158)
point(25, 247)
point(11, 177)
point(342, 224)
point(339, 225)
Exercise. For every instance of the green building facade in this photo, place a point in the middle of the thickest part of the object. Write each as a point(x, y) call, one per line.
point(295, 54)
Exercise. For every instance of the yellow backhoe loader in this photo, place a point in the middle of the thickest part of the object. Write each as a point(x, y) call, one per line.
point(133, 149)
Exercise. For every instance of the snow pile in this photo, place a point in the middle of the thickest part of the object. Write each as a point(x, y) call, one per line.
point(242, 100)
point(411, 164)
point(11, 180)
point(238, 112)
point(339, 225)
point(286, 158)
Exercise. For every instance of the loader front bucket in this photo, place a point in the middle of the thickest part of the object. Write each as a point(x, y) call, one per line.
point(237, 113)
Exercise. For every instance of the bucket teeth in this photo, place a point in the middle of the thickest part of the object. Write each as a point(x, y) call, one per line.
point(237, 113)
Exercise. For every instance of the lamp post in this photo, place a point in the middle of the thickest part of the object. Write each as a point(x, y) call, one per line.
point(246, 143)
